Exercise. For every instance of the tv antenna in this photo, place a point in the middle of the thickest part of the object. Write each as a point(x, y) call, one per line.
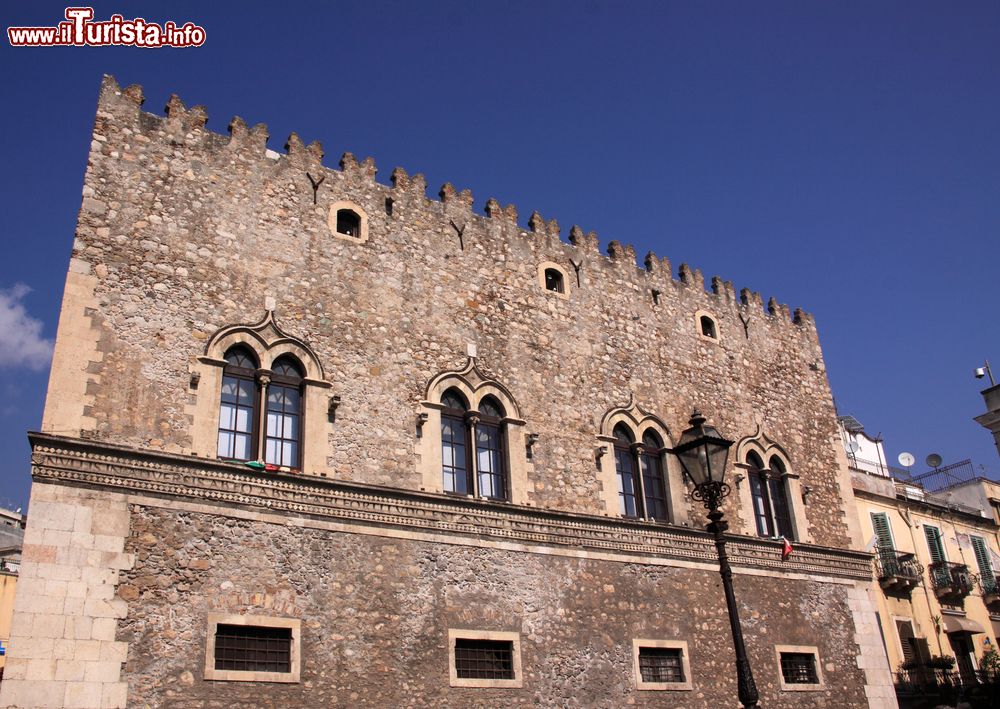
point(906, 459)
point(934, 461)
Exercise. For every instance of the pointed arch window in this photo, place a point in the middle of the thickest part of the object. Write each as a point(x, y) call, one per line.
point(629, 491)
point(473, 447)
point(770, 500)
point(653, 480)
point(283, 435)
point(238, 410)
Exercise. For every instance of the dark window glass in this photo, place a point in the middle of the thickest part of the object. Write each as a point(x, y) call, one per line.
point(484, 659)
point(348, 222)
point(237, 410)
point(554, 280)
point(388, 206)
point(629, 500)
point(777, 490)
point(661, 664)
point(653, 481)
point(490, 464)
point(760, 497)
point(284, 414)
point(249, 648)
point(454, 444)
point(708, 327)
point(799, 668)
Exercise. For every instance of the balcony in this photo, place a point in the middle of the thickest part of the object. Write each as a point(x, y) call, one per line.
point(951, 582)
point(990, 588)
point(897, 572)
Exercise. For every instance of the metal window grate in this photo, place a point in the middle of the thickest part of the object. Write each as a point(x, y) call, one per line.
point(660, 664)
point(799, 668)
point(250, 648)
point(484, 659)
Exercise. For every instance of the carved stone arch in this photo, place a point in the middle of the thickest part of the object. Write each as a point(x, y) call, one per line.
point(764, 446)
point(475, 384)
point(269, 341)
point(637, 419)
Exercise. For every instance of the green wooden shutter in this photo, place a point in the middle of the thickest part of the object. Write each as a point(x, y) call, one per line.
point(883, 533)
point(934, 545)
point(982, 557)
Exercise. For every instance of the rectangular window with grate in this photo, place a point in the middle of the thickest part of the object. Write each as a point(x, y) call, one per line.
point(661, 664)
point(251, 648)
point(799, 668)
point(484, 659)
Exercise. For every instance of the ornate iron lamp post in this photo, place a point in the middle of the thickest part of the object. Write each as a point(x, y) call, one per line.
point(703, 453)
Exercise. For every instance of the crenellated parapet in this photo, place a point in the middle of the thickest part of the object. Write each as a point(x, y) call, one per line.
point(652, 279)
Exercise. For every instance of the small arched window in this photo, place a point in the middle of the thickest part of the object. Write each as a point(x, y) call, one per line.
point(480, 469)
point(708, 328)
point(283, 435)
point(653, 479)
point(629, 496)
point(238, 410)
point(348, 223)
point(770, 503)
point(554, 280)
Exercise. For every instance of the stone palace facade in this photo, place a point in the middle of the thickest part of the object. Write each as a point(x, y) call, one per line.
point(316, 441)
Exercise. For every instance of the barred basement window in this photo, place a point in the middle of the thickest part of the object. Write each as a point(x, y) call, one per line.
point(800, 670)
point(484, 659)
point(249, 648)
point(660, 664)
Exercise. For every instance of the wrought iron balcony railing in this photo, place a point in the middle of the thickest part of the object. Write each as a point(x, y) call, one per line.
point(897, 571)
point(989, 586)
point(950, 580)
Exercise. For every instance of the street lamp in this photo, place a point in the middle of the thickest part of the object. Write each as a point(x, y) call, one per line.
point(703, 452)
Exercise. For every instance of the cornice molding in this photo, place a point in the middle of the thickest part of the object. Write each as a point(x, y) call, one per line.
point(116, 468)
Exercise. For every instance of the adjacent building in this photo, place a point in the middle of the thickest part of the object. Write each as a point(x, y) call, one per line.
point(11, 538)
point(936, 545)
point(313, 440)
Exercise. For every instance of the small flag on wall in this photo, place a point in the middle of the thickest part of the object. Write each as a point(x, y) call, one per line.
point(786, 548)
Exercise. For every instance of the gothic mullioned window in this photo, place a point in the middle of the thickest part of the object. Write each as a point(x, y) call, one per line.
point(642, 485)
point(769, 495)
point(467, 469)
point(276, 440)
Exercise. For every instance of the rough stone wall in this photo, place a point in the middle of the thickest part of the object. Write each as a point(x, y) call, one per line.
point(183, 231)
point(375, 615)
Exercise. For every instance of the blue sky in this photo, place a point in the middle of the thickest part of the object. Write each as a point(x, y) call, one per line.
point(841, 156)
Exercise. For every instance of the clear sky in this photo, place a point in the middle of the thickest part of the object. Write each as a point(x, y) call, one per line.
point(842, 156)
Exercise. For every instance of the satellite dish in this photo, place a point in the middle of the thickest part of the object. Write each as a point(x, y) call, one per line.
point(906, 459)
point(852, 446)
point(933, 460)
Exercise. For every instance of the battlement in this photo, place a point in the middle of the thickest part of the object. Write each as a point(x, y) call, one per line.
point(182, 126)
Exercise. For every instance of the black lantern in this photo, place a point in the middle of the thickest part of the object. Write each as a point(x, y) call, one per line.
point(703, 451)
